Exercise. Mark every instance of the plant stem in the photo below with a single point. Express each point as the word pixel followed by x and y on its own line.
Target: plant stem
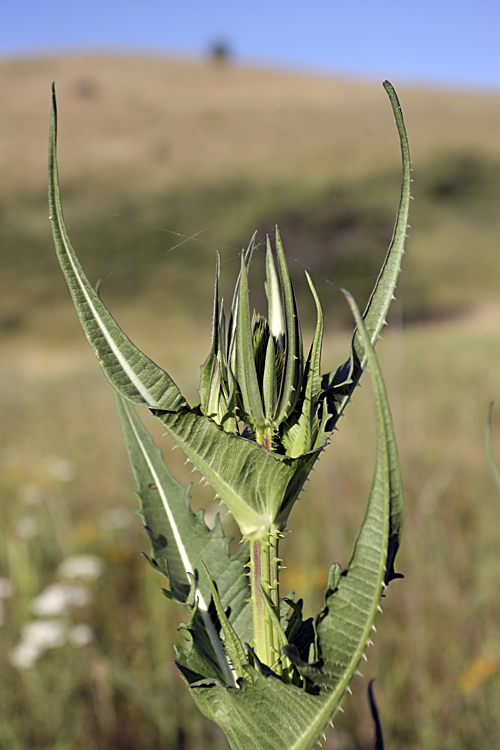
pixel 264 566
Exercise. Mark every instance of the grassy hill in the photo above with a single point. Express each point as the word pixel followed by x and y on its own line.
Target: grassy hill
pixel 154 151
pixel 138 123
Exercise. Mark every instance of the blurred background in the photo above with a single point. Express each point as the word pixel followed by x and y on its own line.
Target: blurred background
pixel 182 130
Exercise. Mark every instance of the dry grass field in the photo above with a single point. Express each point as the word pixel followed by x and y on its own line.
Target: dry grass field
pixel 167 141
pixel 151 123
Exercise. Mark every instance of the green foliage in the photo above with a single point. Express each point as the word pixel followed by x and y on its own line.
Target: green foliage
pixel 266 415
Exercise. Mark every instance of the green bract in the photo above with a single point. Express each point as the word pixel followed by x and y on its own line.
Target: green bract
pixel 269 678
pixel 258 376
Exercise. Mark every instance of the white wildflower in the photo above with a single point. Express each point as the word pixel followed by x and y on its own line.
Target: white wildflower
pixel 81 635
pixel 5 588
pixel 81 566
pixel 44 634
pixel 24 655
pixel 37 637
pixel 59 598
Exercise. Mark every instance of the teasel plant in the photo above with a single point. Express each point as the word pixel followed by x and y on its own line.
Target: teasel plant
pixel 270 678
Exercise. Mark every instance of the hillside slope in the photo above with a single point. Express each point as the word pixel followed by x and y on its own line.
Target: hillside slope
pixel 159 123
pixel 153 151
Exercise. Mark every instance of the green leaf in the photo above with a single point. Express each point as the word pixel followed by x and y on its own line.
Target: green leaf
pixel 269 382
pixel 233 318
pixel 339 385
pixel 292 371
pixel 133 374
pixel 286 667
pixel 489 450
pixel 275 308
pixel 245 361
pixel 216 382
pixel 232 644
pixel 201 662
pixel 210 374
pixel 383 293
pixel 345 625
pixel 180 539
pixel 387 452
pixel 379 739
pixel 258 487
pixel 270 714
pixel 300 437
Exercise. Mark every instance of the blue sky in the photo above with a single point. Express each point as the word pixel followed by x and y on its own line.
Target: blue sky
pixel 441 42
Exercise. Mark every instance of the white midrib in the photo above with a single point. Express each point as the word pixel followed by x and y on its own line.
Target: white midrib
pixel 190 568
pixel 136 382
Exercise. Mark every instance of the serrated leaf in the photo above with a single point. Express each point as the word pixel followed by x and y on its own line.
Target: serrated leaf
pixel 383 293
pixel 201 662
pixel 179 538
pixel 232 644
pixel 133 374
pixel 250 717
pixel 258 486
pixel 255 505
pixel 266 713
pixel 339 384
pixel 345 625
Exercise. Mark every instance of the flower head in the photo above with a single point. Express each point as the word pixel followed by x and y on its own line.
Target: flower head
pixel 256 373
